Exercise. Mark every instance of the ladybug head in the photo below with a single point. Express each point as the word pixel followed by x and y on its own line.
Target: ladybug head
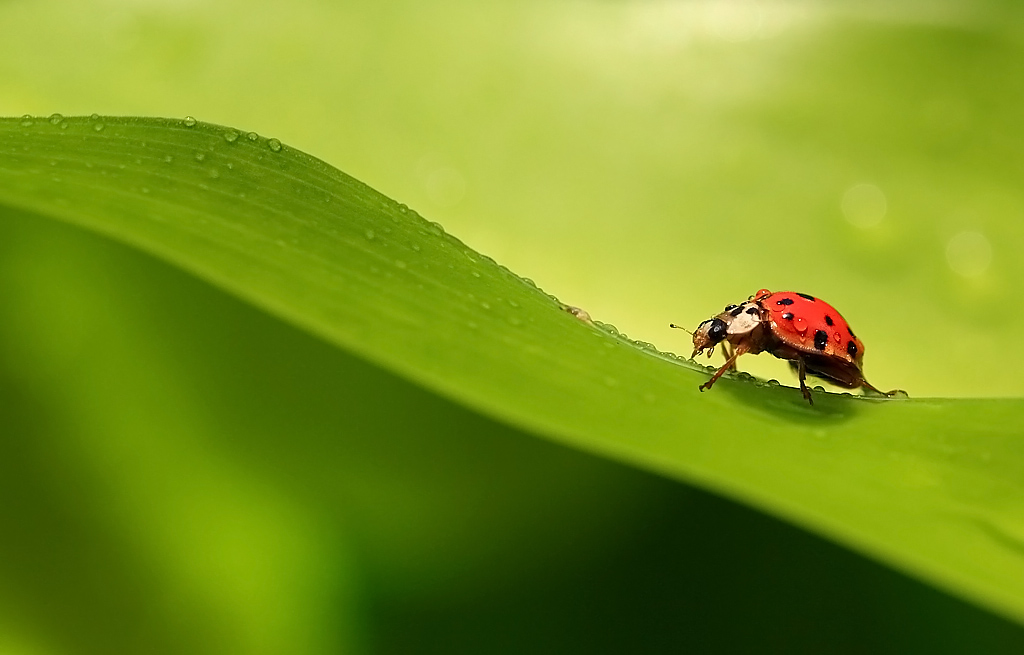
pixel 709 334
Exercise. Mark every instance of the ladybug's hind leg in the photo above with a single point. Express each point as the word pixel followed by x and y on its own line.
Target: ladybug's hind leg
pixel 801 368
pixel 864 383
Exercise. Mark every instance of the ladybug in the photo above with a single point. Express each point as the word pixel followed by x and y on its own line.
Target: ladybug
pixel 806 331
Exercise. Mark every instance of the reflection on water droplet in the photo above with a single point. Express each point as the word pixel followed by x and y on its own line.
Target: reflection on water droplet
pixel 476 274
pixel 98 127
pixel 190 122
pixel 252 136
pixel 274 145
pixel 969 253
pixel 819 389
pixel 55 119
pixel 168 159
pixel 800 324
pixel 773 383
pixel 231 136
pixel 200 156
pixel 864 205
pixel 485 305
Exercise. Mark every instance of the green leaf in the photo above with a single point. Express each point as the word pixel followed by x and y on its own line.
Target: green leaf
pixel 930 486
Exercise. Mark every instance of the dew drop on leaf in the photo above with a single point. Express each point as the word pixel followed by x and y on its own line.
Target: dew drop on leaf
pixel 190 121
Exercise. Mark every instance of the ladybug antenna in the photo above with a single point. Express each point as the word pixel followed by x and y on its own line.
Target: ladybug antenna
pixel 680 327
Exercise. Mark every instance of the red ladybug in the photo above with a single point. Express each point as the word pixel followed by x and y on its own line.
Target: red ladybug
pixel 806 331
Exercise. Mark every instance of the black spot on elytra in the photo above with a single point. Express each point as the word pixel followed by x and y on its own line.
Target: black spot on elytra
pixel 804 295
pixel 753 311
pixel 788 316
pixel 850 330
pixel 736 312
pixel 784 301
pixel 851 349
pixel 828 321
pixel 820 339
pixel 729 308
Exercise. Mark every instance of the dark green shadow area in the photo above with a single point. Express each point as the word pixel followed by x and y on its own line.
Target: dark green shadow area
pixel 139 403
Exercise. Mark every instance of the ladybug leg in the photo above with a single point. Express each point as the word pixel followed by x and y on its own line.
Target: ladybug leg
pixel 801 367
pixel 728 355
pixel 729 364
pixel 864 383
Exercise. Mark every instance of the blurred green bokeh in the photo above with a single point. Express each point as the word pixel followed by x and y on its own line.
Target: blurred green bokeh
pixel 182 473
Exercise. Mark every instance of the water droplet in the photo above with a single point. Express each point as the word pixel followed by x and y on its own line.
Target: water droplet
pixel 94 117
pixel 200 156
pixel 26 121
pixel 416 247
pixel 168 159
pixel 819 389
pixel 437 229
pixel 274 145
pixel 55 119
pixel 476 273
pixel 190 122
pixel 400 264
pixel 969 253
pixel 98 127
pixel 214 174
pixel 231 136
pixel 63 125
pixel 773 383
pixel 370 235
pixel 800 324
pixel 513 303
pixel 252 136
pixel 864 205
pixel 485 305
pixel 145 189
pixel 402 208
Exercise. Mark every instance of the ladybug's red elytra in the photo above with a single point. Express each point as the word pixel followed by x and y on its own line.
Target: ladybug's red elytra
pixel 806 331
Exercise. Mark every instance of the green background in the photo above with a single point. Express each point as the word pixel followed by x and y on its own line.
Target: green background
pixel 204 478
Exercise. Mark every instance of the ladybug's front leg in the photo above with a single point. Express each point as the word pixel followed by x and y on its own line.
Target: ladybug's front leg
pixel 729 364
pixel 727 353
pixel 801 367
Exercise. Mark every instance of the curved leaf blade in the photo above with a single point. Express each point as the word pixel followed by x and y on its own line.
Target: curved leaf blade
pixel 931 486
